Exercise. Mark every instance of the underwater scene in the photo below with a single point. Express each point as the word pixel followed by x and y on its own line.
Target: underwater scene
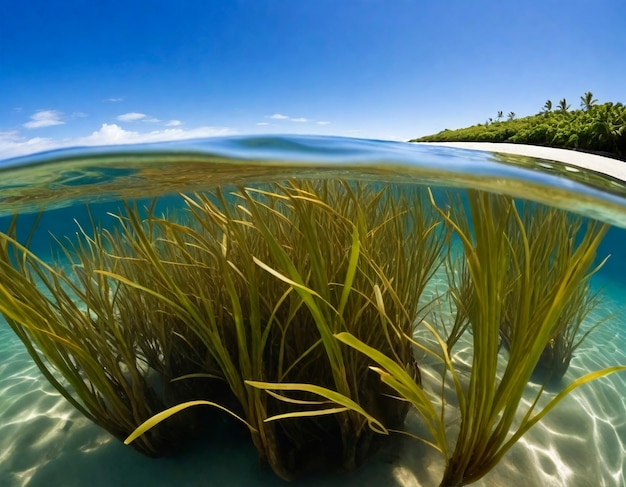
pixel 314 310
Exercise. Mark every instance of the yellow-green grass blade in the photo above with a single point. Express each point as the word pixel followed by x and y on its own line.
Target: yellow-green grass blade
pixel 395 376
pixel 529 422
pixel 329 394
pixel 163 415
pixel 322 323
pixel 138 286
pixel 198 375
pixel 306 414
pixel 296 401
pixel 286 280
pixel 417 438
pixel 351 272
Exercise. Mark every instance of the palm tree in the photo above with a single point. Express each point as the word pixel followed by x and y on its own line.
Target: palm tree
pixel 499 116
pixel 587 101
pixel 511 115
pixel 563 106
pixel 548 106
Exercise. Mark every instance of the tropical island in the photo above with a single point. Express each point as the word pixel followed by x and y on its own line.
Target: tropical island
pixel 597 128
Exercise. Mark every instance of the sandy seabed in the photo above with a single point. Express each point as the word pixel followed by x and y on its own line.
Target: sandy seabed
pixel 581 443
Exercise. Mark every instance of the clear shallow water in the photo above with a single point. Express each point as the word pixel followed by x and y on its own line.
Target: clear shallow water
pixel 43 441
pixel 64 177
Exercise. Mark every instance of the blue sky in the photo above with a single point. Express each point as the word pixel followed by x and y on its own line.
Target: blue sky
pixel 85 72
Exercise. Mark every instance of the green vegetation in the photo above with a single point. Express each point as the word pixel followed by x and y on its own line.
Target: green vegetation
pixel 547 246
pixel 489 399
pixel 248 286
pixel 594 127
pixel 489 406
pixel 273 304
pixel 551 237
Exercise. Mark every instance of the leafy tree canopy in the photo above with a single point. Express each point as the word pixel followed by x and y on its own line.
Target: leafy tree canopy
pixel 596 127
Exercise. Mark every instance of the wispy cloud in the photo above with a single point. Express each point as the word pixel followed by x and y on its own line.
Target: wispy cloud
pixel 173 123
pixel 113 99
pixel 9 136
pixel 136 117
pixel 262 123
pixel 280 116
pixel 44 118
pixel 131 117
pixel 12 144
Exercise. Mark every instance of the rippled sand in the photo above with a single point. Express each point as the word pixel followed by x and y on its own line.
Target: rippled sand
pixel 44 442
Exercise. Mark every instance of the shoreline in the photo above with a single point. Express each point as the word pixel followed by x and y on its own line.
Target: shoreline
pixel 601 164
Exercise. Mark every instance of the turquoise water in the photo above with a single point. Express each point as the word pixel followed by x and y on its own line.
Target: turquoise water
pixel 44 441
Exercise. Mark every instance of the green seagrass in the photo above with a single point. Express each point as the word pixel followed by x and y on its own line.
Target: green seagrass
pixel 250 285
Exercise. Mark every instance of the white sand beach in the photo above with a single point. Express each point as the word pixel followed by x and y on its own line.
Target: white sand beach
pixel 601 164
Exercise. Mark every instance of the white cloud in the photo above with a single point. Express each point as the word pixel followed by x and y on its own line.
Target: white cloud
pixel 44 118
pixel 173 123
pixel 108 134
pixel 113 99
pixel 262 123
pixel 12 144
pixel 114 134
pixel 280 116
pixel 136 117
pixel 322 122
pixel 131 117
pixel 11 136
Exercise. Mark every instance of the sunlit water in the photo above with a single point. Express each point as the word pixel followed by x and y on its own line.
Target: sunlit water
pixel 44 441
